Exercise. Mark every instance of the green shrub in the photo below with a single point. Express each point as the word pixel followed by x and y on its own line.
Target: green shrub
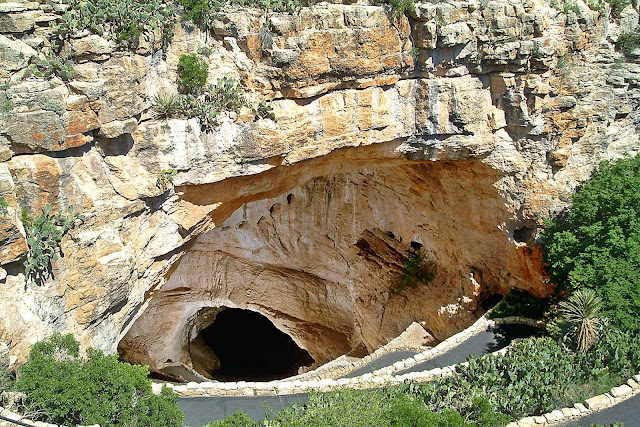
pixel 417 270
pixel 521 303
pixel 265 111
pixel 201 12
pixel 165 178
pixel 525 380
pixel 124 21
pixel 237 419
pixel 63 388
pixel 44 234
pixel 629 41
pixel 165 105
pixel 402 7
pixel 6 105
pixel 225 95
pixel 4 206
pixel 193 72
pixel 392 406
pixel 596 244
pixel 617 6
pixel 52 66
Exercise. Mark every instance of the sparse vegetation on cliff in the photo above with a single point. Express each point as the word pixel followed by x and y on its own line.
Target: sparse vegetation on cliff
pixel 44 234
pixel 629 41
pixel 193 72
pixel 596 244
pixel 418 270
pixel 124 21
pixel 64 388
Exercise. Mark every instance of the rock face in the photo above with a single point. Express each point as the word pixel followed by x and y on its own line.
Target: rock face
pixel 453 132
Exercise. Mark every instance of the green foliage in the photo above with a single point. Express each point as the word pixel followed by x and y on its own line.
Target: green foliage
pixel 165 178
pixel 225 95
pixel 237 419
pixel 521 303
pixel 63 388
pixel 570 6
pixel 201 12
pixel 596 5
pixel 524 381
pixel 617 6
pixel 205 51
pixel 596 245
pixel 4 206
pixel 6 105
pixel 193 72
pixel 402 7
pixel 629 41
pixel 122 20
pixel 44 234
pixel 165 105
pixel 265 110
pixel 392 406
pixel 52 66
pixel 582 309
pixel 417 270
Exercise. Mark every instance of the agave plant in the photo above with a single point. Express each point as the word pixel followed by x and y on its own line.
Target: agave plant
pixel 165 105
pixel 582 309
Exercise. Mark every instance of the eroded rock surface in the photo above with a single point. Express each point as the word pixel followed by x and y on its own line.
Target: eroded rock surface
pixel 458 129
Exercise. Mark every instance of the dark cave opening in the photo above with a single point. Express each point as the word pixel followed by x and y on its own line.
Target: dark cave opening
pixel 251 348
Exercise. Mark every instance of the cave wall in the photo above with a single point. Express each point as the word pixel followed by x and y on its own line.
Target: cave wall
pixel 512 102
pixel 321 260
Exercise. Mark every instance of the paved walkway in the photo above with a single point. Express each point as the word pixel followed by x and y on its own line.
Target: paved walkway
pixel 199 411
pixel 627 412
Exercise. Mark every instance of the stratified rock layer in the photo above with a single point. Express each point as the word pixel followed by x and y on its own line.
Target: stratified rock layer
pixel 458 129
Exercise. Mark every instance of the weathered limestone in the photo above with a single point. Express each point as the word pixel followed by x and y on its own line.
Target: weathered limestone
pixel 484 129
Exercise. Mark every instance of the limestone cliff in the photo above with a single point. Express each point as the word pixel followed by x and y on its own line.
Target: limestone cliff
pixel 455 131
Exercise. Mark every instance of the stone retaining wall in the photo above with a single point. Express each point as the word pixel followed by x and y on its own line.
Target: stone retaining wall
pixel 593 404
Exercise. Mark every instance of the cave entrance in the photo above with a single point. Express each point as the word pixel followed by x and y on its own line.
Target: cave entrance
pixel 250 348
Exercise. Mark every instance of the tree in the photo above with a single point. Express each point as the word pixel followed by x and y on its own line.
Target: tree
pixel 596 244
pixel 64 388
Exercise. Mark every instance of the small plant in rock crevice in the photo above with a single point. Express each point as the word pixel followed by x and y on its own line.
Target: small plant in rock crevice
pixel 6 105
pixel 44 234
pixel 418 269
pixel 4 206
pixel 165 178
pixel 265 111
pixel 52 66
pixel 225 95
pixel 629 41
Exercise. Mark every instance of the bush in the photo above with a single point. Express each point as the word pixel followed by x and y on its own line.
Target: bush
pixel 193 72
pixel 617 6
pixel 52 66
pixel 392 406
pixel 123 20
pixel 63 388
pixel 629 41
pixel 596 244
pixel 165 178
pixel 417 270
pixel 201 12
pixel 537 375
pixel 521 303
pixel 402 7
pixel 44 234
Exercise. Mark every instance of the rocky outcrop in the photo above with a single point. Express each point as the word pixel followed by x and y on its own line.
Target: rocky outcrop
pixel 456 130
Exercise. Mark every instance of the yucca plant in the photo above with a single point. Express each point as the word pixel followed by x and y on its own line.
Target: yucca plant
pixel 582 309
pixel 165 105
